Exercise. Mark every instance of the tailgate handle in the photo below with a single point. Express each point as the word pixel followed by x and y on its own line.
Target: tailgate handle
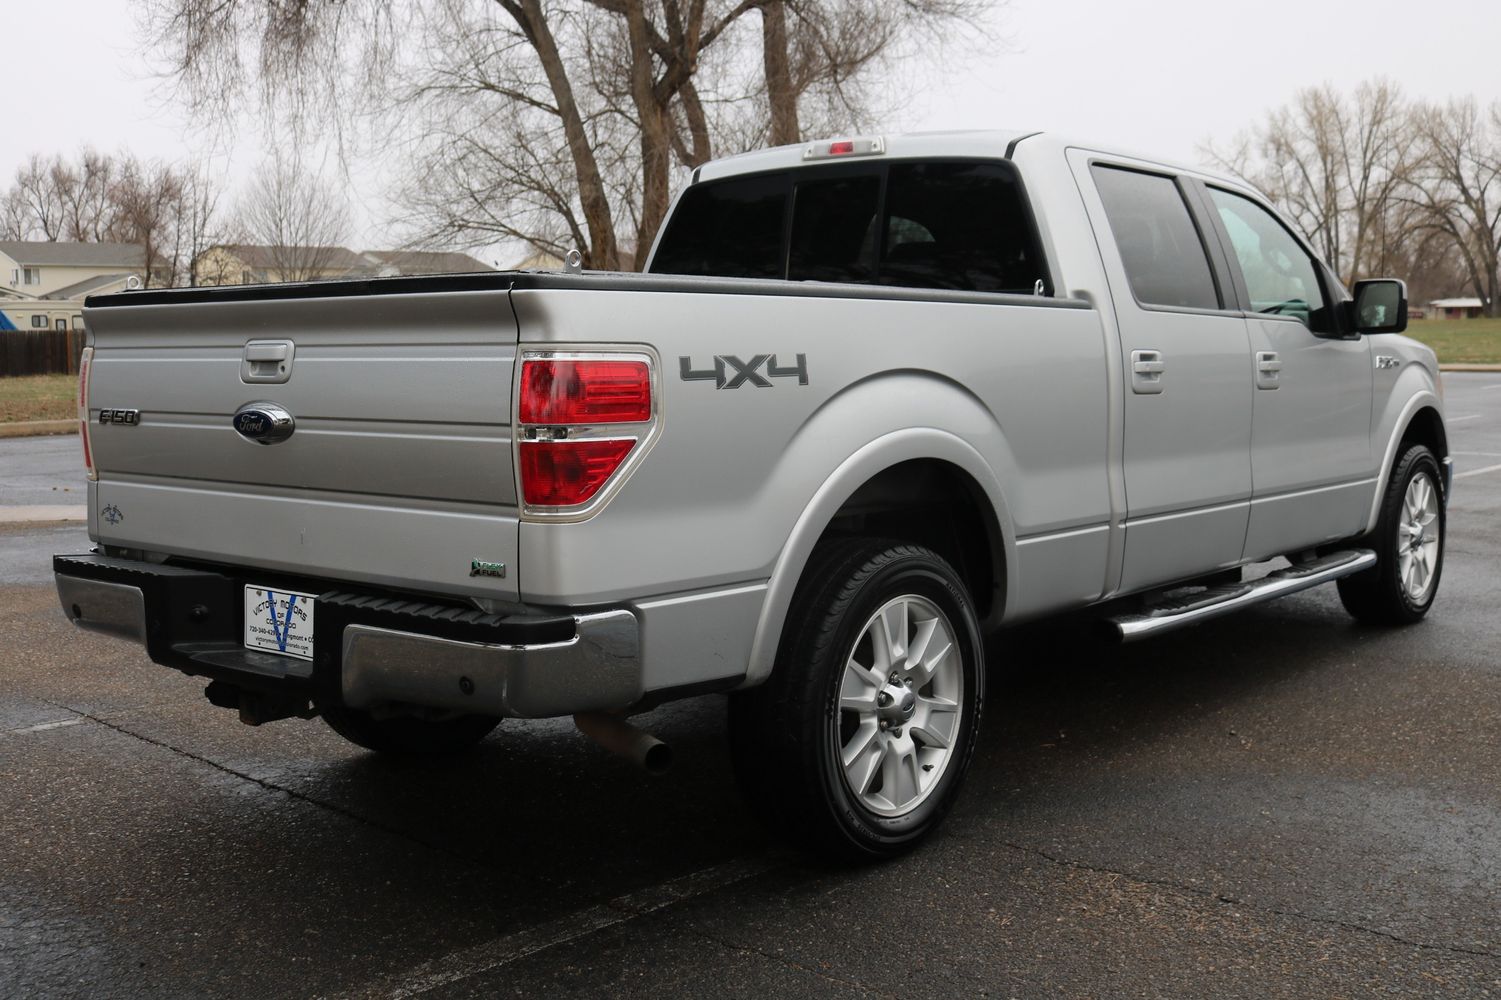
pixel 267 361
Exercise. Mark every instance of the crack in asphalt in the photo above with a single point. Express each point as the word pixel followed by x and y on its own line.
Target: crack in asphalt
pixel 1236 901
pixel 270 786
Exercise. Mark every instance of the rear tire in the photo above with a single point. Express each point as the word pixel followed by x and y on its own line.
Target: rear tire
pixel 858 742
pixel 1409 544
pixel 404 736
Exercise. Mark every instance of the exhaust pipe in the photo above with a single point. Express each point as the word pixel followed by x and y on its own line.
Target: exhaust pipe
pixel 620 737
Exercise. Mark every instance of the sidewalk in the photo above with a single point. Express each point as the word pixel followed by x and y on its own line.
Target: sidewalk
pixel 36 428
pixel 43 513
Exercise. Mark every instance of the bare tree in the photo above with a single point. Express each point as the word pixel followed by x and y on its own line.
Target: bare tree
pixel 15 219
pixel 557 124
pixel 88 195
pixel 1458 188
pixel 1338 167
pixel 99 198
pixel 199 224
pixel 147 198
pixel 36 189
pixel 300 219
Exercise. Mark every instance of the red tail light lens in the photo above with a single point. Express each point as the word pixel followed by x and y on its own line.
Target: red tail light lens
pixel 85 362
pixel 564 473
pixel 585 392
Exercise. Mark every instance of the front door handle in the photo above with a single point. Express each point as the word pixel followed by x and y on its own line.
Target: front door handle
pixel 1147 368
pixel 1268 370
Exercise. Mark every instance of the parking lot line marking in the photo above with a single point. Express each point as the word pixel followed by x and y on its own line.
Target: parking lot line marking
pixel 493 954
pixel 1467 416
pixel 44 726
pixel 1477 472
pixel 1481 454
pixel 1496 386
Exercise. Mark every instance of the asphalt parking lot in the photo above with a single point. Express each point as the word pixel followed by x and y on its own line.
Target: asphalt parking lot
pixel 1279 803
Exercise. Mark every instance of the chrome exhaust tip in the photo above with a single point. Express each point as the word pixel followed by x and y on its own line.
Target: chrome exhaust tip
pixel 620 737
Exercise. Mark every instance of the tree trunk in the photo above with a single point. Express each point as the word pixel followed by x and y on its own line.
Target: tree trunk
pixel 698 126
pixel 781 98
pixel 656 146
pixel 601 252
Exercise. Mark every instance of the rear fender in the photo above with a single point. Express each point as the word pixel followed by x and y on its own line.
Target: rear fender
pixel 917 438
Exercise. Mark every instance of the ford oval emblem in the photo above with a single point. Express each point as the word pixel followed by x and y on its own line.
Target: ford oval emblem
pixel 264 423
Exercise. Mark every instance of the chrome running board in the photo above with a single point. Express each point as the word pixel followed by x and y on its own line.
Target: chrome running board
pixel 1216 601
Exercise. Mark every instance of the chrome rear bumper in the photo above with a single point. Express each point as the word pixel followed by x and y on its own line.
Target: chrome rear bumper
pixel 599 668
pixel 532 665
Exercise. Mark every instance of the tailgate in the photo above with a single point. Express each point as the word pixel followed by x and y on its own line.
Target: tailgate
pixel 399 467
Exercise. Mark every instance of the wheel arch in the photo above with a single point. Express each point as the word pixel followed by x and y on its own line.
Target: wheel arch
pixel 1420 421
pixel 876 487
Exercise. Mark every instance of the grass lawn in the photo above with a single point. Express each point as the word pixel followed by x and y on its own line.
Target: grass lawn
pixel 1460 340
pixel 38 397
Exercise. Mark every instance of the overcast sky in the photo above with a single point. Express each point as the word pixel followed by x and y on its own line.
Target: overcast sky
pixel 1155 77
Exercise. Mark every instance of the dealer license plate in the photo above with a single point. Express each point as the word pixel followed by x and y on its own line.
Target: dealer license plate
pixel 279 621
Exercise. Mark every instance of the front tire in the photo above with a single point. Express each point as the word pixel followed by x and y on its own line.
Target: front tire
pixel 858 743
pixel 404 736
pixel 1409 544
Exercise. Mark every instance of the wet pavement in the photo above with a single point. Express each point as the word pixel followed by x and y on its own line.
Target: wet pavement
pixel 1278 803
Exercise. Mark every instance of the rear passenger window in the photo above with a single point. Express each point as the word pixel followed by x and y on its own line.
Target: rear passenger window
pixel 958 225
pixel 1159 244
pixel 730 228
pixel 834 234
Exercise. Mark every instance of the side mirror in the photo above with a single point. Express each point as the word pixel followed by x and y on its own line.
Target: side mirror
pixel 1380 306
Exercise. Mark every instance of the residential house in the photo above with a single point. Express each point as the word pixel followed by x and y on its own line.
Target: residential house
pixel 1456 308
pixel 387 263
pixel 43 284
pixel 250 264
pixel 539 260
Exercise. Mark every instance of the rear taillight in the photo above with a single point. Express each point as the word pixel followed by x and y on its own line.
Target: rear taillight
pixel 579 419
pixel 585 392
pixel 85 364
pixel 565 473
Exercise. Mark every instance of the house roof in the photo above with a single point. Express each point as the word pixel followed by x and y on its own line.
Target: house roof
pixel 1456 303
pixel 427 261
pixel 60 254
pixel 79 289
pixel 332 258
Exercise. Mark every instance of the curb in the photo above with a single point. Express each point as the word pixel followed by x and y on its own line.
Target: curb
pixel 36 428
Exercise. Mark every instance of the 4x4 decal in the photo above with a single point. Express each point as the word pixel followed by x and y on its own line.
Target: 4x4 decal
pixel 744 372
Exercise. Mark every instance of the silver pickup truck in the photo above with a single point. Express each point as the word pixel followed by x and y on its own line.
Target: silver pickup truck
pixel 876 399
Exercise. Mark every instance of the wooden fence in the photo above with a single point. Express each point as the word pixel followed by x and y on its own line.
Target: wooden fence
pixel 40 352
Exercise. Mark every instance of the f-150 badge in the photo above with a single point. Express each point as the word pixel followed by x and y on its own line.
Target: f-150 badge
pixel 729 372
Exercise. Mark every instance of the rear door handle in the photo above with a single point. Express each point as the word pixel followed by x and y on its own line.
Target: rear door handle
pixel 1147 368
pixel 1268 370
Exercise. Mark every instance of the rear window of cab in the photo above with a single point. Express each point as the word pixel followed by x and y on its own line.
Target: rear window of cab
pixel 954 224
